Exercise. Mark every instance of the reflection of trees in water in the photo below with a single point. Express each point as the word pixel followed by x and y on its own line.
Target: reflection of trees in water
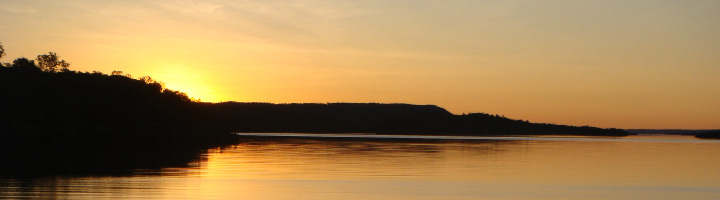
pixel 355 157
pixel 373 145
pixel 339 155
pixel 63 187
pixel 97 162
pixel 62 172
pixel 59 173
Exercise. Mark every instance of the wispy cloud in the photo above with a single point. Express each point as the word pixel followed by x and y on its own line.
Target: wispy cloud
pixel 18 9
pixel 193 8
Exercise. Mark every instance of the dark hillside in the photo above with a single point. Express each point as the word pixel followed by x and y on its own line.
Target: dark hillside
pixel 317 118
pixel 378 118
pixel 76 121
pixel 71 106
pixel 715 134
pixel 95 108
pixel 79 120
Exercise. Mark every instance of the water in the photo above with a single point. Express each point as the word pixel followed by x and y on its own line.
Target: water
pixel 634 167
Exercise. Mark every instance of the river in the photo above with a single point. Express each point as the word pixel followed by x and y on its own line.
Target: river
pixel 363 167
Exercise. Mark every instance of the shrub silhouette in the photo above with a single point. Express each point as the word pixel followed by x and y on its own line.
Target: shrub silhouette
pixel 93 119
pixel 51 62
pixel 2 50
pixel 714 134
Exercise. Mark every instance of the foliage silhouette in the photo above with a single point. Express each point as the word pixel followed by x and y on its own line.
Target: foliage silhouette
pixel 2 51
pixel 51 62
pixel 378 118
pixel 714 134
pixel 24 64
pixel 56 120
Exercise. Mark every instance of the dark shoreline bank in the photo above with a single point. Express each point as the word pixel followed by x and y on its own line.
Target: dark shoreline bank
pixel 715 134
pixel 67 121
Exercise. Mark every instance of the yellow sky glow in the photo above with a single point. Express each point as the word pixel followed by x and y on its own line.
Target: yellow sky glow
pixel 625 64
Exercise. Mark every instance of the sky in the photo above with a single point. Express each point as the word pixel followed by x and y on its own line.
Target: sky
pixel 611 63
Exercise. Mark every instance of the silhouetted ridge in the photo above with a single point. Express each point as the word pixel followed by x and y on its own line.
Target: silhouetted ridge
pixel 319 118
pixel 715 134
pixel 61 121
pixel 52 116
pixel 45 105
pixel 378 118
pixel 73 106
pixel 692 132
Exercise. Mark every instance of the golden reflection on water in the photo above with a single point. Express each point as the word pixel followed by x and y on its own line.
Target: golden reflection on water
pixel 486 169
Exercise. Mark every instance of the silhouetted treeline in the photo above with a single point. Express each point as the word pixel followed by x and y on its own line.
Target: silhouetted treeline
pixel 50 114
pixel 667 131
pixel 705 134
pixel 78 120
pixel 378 118
pixel 82 107
pixel 714 134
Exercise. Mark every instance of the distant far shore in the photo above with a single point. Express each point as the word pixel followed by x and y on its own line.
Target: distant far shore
pixel 670 131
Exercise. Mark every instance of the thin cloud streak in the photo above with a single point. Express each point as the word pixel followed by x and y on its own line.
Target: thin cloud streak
pixel 610 61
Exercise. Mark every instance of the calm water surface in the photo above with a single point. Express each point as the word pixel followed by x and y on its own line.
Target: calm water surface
pixel 634 167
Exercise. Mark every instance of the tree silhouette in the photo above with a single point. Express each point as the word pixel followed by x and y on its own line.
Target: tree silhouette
pixel 2 54
pixel 24 64
pixel 2 50
pixel 51 63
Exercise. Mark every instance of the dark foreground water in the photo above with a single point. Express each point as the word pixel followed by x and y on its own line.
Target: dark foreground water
pixel 634 167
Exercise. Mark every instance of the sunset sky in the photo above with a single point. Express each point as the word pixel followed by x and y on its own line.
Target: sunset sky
pixel 623 64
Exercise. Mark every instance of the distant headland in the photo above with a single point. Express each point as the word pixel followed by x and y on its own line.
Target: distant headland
pixel 46 106
pixel 50 101
pixel 703 134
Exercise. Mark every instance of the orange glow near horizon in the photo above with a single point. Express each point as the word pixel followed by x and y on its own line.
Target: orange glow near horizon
pixel 578 63
pixel 184 79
